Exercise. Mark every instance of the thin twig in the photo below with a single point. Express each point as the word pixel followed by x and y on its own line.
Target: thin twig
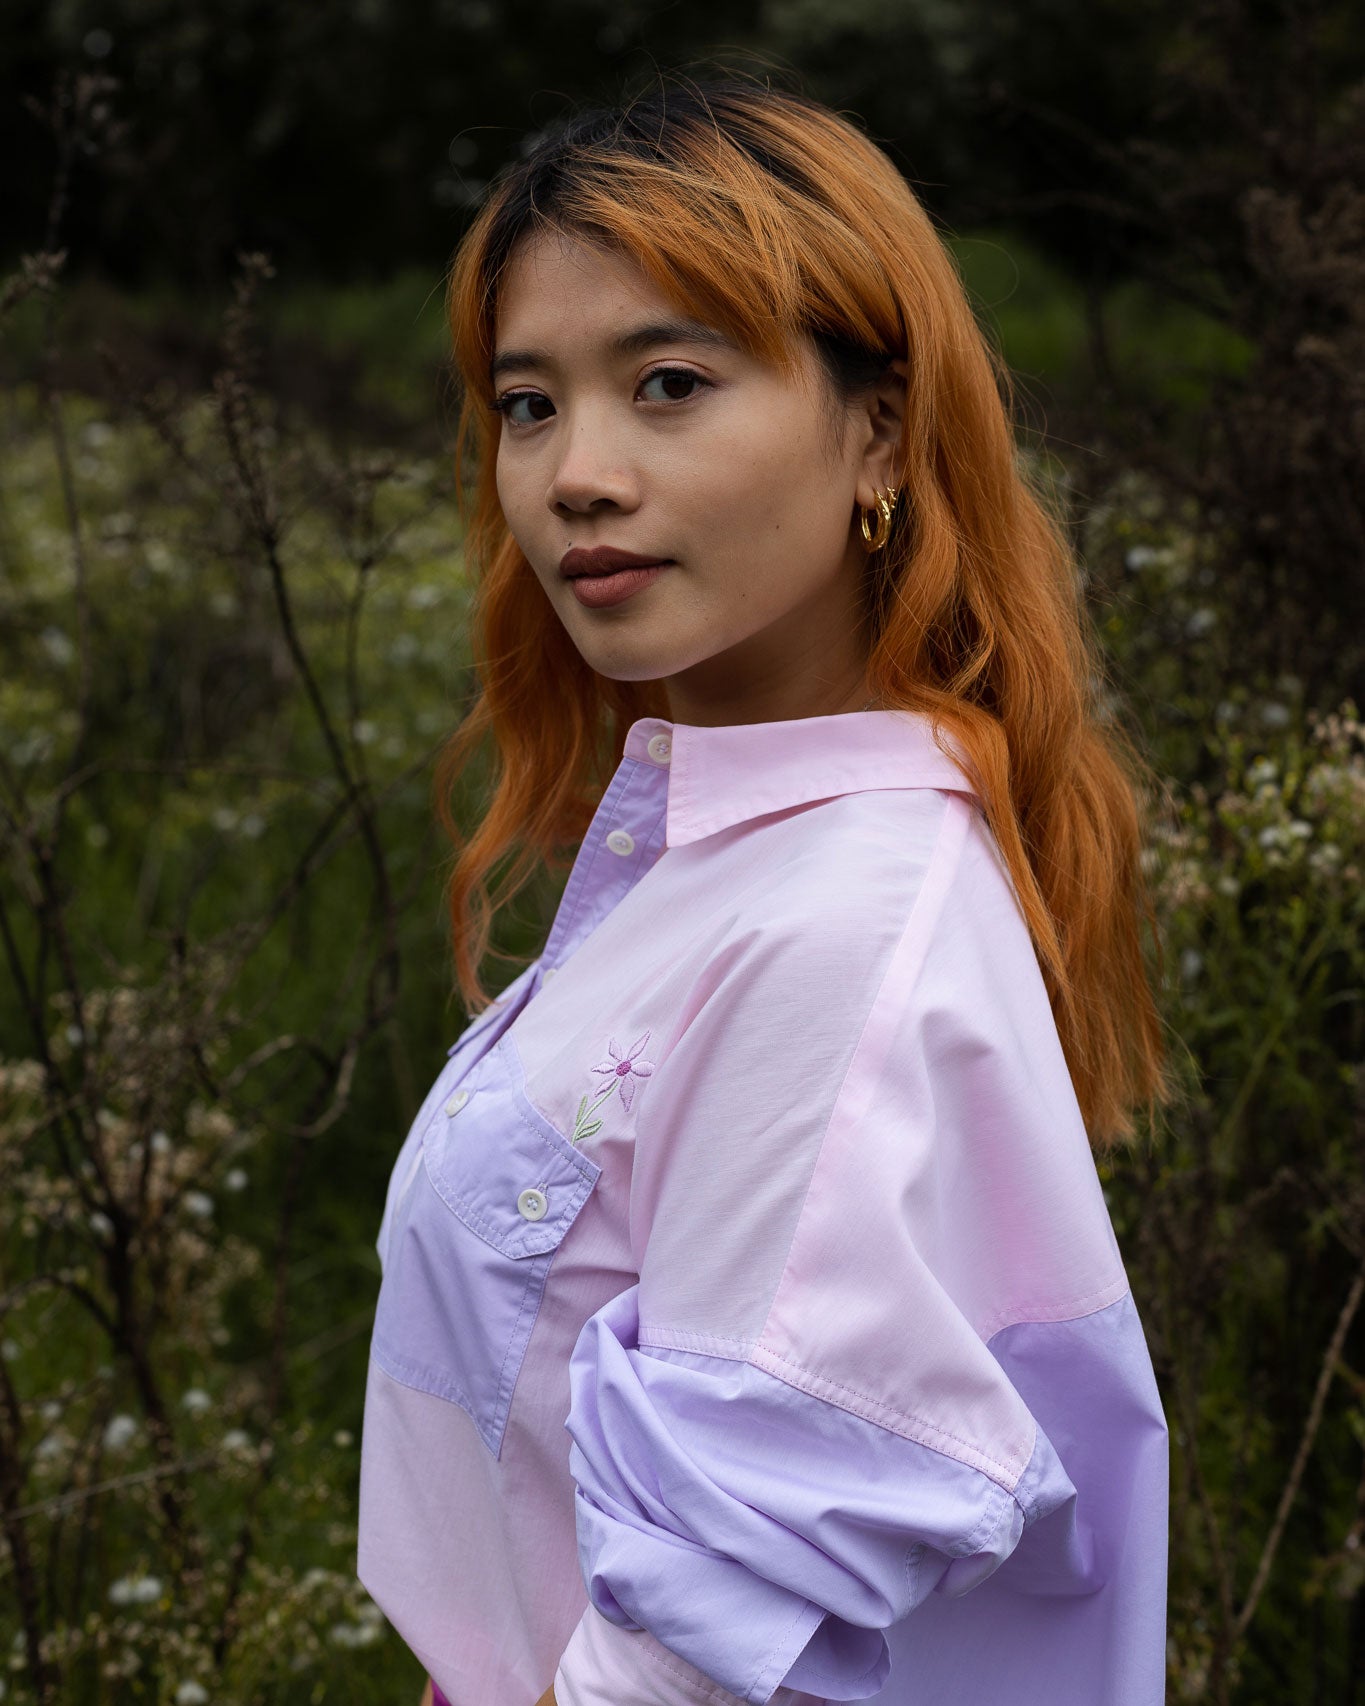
pixel 1330 1360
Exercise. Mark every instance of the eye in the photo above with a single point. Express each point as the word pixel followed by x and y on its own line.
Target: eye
pixel 672 385
pixel 538 407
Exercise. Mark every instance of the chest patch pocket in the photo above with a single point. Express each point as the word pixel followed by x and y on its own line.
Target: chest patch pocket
pixel 472 1242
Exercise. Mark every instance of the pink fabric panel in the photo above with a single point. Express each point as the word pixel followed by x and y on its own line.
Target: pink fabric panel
pixel 604 1665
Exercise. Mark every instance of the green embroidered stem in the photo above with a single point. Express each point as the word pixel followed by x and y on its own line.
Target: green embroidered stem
pixel 580 1129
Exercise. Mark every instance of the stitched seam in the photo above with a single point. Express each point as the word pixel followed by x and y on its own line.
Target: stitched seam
pixel 412 1374
pixel 662 1338
pixel 812 1381
pixel 910 923
pixel 757 1356
pixel 764 1668
pixel 506 1379
pixel 713 1690
pixel 992 1515
pixel 575 891
pixel 1024 1315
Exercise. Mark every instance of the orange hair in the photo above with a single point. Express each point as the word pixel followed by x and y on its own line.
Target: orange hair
pixel 762 212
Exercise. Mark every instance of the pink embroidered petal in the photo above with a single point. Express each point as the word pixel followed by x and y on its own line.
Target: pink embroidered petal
pixel 612 1049
pixel 641 1068
pixel 636 1047
pixel 627 1092
pixel 607 1066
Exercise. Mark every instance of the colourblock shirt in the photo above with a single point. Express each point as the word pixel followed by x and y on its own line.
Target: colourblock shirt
pixel 752 1327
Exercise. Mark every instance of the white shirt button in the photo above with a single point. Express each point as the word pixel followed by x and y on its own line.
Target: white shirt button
pixel 531 1205
pixel 620 841
pixel 659 748
pixel 456 1102
pixel 549 973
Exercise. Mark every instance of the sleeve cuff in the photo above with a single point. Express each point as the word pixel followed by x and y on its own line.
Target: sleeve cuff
pixel 606 1665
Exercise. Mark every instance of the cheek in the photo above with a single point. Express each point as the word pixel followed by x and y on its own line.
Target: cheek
pixel 781 485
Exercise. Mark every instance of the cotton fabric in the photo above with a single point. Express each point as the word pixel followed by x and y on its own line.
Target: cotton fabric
pixel 752 1326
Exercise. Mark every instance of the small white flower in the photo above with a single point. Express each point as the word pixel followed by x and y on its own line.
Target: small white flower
pixel 50 1411
pixel 343 1437
pixel 1273 715
pixel 355 1634
pixel 364 732
pixel 136 1590
pixel 253 826
pixel 191 1694
pixel 235 1179
pixel 224 818
pixel 1201 621
pixel 51 1445
pixel 160 1143
pixel 57 645
pixel 101 1225
pixel 1141 557
pixel 199 1204
pixel 1191 964
pixel 236 1440
pixel 196 1401
pixel 119 1431
pixel 370 1613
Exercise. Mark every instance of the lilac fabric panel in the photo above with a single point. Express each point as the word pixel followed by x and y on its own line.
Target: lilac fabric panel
pixel 466 1269
pixel 727 1513
pixel 1090 1381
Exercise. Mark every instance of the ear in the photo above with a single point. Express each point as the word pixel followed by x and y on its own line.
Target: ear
pixel 881 435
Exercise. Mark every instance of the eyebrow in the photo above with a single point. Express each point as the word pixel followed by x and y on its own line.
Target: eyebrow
pixel 633 342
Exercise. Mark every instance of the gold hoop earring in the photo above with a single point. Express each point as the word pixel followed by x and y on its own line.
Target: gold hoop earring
pixel 876 537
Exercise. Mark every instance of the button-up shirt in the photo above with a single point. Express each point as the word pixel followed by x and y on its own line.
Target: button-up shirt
pixel 752 1327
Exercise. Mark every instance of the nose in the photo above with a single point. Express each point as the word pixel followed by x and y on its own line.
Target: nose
pixel 592 472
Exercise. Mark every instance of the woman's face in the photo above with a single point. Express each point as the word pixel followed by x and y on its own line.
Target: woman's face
pixel 627 425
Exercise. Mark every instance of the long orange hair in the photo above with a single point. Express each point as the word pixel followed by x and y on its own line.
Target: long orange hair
pixel 762 212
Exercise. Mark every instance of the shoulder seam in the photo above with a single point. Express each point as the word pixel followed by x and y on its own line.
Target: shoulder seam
pixel 916 1429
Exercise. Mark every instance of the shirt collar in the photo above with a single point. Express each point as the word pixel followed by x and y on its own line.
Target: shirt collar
pixel 719 777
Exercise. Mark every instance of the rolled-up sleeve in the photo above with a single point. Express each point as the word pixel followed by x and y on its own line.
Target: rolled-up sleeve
pixel 862 1161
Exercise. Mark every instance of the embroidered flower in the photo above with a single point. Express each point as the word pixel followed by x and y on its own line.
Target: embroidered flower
pixel 625 1069
pixel 621 1072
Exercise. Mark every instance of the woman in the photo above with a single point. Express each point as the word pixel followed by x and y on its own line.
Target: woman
pixel 752 1326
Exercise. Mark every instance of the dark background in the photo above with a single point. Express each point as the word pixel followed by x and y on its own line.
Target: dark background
pixel 233 633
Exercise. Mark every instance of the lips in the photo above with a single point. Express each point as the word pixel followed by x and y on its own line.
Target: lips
pixel 603 560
